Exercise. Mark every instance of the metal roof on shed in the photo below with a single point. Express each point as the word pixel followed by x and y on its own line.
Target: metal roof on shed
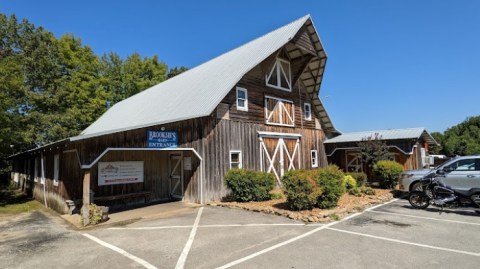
pixel 196 92
pixel 392 134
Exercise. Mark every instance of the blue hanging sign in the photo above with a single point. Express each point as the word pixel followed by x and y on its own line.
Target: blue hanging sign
pixel 161 139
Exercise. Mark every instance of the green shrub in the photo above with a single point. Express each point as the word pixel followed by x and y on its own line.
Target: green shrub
pixel 330 181
pixel 367 191
pixel 360 177
pixel 301 190
pixel 388 173
pixel 248 185
pixel 350 185
pixel 276 195
pixel 95 214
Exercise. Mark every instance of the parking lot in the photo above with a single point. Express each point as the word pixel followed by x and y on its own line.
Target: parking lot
pixel 392 235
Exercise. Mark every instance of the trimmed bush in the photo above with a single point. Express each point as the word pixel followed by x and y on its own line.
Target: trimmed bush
pixel 301 189
pixel 360 177
pixel 330 182
pixel 350 185
pixel 367 190
pixel 248 185
pixel 388 173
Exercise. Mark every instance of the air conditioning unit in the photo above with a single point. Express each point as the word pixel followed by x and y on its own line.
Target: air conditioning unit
pixel 428 160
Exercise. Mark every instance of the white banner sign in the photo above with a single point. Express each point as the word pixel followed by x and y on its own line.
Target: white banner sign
pixel 110 173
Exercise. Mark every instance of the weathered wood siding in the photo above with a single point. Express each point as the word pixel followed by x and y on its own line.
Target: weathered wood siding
pixel 254 82
pixel 230 135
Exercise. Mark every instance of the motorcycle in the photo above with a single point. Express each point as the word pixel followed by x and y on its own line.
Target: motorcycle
pixel 435 192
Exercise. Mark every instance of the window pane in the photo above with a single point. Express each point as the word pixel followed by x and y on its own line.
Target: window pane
pixel 241 103
pixel 273 77
pixel 465 165
pixel 235 158
pixel 283 82
pixel 235 165
pixel 241 94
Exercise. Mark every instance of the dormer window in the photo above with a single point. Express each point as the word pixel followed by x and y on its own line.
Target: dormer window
pixel 280 76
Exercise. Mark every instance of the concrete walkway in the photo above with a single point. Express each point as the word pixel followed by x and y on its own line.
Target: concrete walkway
pixel 128 216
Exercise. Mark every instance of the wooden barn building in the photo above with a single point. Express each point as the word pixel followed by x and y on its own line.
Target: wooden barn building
pixel 255 107
pixel 408 147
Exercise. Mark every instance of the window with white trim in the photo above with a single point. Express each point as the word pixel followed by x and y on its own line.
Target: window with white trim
pixel 314 158
pixel 280 76
pixel 307 111
pixel 235 159
pixel 242 99
pixel 56 169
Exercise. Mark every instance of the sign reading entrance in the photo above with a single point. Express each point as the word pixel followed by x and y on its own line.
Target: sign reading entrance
pixel 111 173
pixel 161 139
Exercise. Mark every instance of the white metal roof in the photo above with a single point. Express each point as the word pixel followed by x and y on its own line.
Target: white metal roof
pixel 392 134
pixel 197 92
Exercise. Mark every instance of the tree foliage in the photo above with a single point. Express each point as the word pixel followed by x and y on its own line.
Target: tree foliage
pixel 52 88
pixel 373 149
pixel 462 139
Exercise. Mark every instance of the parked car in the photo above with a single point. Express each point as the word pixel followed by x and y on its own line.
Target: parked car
pixel 461 173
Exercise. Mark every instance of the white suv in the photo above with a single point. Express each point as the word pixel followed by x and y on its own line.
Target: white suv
pixel 461 173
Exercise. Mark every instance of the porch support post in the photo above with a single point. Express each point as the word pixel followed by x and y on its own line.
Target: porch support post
pixel 86 196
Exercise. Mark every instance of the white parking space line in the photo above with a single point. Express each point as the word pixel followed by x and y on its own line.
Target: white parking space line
pixel 427 218
pixel 377 206
pixel 121 251
pixel 406 242
pixel 215 226
pixel 183 257
pixel 251 256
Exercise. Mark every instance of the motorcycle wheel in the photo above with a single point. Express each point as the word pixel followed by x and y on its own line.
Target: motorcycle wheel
pixel 419 200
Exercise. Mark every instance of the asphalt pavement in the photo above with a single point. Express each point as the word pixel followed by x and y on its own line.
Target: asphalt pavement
pixel 392 235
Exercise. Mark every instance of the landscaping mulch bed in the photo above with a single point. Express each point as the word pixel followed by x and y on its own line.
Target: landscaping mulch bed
pixel 346 205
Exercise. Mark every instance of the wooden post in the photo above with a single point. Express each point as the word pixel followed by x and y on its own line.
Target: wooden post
pixel 86 197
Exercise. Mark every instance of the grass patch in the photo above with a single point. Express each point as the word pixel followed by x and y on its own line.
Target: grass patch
pixel 334 217
pixel 14 202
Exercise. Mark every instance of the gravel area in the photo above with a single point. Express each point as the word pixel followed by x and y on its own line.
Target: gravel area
pixel 346 205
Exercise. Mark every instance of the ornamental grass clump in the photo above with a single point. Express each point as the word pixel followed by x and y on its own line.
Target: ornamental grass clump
pixel 247 185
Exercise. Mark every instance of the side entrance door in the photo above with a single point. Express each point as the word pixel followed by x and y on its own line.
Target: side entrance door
pixel 176 175
pixel 279 154
pixel 353 161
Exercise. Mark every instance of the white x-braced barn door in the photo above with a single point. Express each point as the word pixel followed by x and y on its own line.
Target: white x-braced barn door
pixel 279 111
pixel 279 154
pixel 176 175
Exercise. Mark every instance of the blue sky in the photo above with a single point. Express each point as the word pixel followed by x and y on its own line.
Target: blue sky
pixel 391 64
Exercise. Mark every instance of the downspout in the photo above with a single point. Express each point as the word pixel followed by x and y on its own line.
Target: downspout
pixel 43 180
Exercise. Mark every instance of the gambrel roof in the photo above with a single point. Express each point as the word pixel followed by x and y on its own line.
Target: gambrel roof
pixel 197 92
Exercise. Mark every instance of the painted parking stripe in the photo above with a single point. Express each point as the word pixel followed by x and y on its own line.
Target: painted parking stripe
pixel 379 205
pixel 251 256
pixel 215 226
pixel 183 257
pixel 406 242
pixel 427 218
pixel 121 251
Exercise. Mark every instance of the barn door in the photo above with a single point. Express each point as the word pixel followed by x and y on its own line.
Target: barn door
pixel 279 154
pixel 176 175
pixel 354 161
pixel 279 112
